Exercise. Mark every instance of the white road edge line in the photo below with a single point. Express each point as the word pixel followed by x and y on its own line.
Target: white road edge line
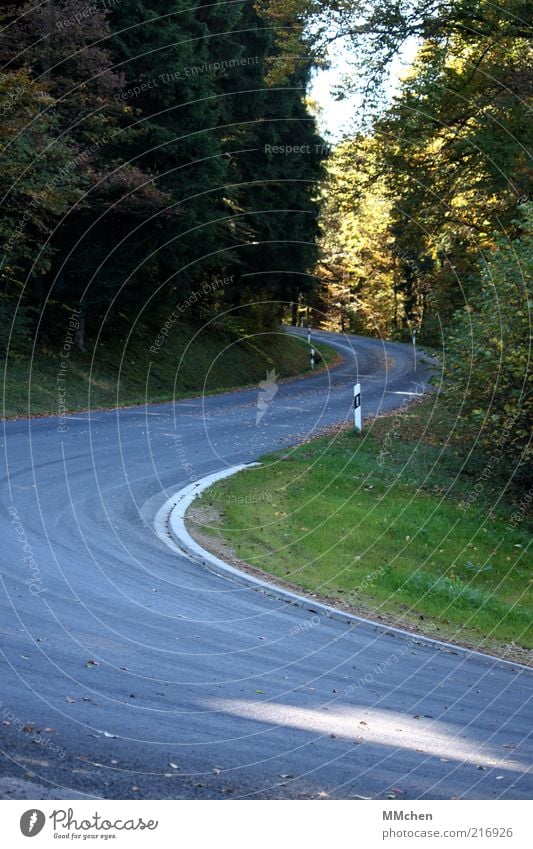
pixel 169 524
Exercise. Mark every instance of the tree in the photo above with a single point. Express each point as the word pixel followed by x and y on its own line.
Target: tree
pixel 276 163
pixel 65 52
pixel 167 53
pixel 488 363
pixel 454 150
pixel 376 30
pixel 356 257
pixel 32 198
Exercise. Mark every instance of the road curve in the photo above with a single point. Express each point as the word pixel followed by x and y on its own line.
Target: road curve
pixel 130 672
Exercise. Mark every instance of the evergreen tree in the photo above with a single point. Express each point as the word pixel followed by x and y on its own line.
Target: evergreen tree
pixel 276 165
pixel 166 54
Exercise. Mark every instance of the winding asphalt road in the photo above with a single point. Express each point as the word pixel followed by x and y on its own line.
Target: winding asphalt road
pixel 130 672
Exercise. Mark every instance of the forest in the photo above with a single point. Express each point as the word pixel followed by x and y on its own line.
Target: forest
pixel 134 161
pixel 150 150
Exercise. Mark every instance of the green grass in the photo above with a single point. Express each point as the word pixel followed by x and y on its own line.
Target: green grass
pixel 123 371
pixel 377 522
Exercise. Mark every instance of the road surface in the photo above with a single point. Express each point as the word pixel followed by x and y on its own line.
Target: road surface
pixel 130 672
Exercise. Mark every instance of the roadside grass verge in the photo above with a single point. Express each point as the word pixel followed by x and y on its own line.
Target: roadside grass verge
pixel 386 525
pixel 123 373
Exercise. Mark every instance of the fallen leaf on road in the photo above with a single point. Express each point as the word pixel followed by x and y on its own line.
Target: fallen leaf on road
pixel 395 792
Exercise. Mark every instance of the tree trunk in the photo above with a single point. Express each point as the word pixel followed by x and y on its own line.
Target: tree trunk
pixel 79 334
pixel 294 313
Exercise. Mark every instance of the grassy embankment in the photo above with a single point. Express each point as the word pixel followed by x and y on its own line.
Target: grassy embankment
pixel 376 524
pixel 119 372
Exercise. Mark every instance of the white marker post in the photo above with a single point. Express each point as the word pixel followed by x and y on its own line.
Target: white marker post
pixel 308 335
pixel 312 358
pixel 414 346
pixel 357 420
